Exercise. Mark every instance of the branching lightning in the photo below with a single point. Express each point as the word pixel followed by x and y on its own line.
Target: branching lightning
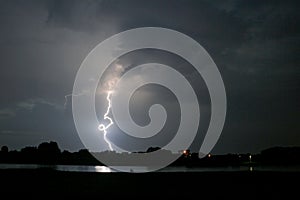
pixel 103 127
pixel 66 99
pixel 110 82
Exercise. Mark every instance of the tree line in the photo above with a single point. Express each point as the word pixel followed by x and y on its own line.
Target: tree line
pixel 49 153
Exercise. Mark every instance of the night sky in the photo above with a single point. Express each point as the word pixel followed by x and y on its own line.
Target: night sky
pixel 255 44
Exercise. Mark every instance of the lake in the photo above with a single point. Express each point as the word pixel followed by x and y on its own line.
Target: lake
pixel 105 169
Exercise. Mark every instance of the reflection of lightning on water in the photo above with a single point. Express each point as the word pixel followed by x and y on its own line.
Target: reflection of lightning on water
pixel 104 128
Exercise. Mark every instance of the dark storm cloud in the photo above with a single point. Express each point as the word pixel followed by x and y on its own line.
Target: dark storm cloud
pixel 37 120
pixel 198 19
pixel 255 45
pixel 262 76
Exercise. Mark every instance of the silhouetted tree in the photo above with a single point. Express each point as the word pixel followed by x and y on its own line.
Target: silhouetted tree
pixel 4 149
pixel 49 152
pixel 28 155
pixel 29 150
pixel 49 148
pixel 152 149
pixel 4 154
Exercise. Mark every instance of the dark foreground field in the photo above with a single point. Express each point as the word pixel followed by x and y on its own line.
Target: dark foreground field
pixel 44 183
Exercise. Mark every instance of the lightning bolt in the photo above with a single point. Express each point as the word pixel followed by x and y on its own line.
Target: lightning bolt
pixel 111 80
pixel 66 99
pixel 104 128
